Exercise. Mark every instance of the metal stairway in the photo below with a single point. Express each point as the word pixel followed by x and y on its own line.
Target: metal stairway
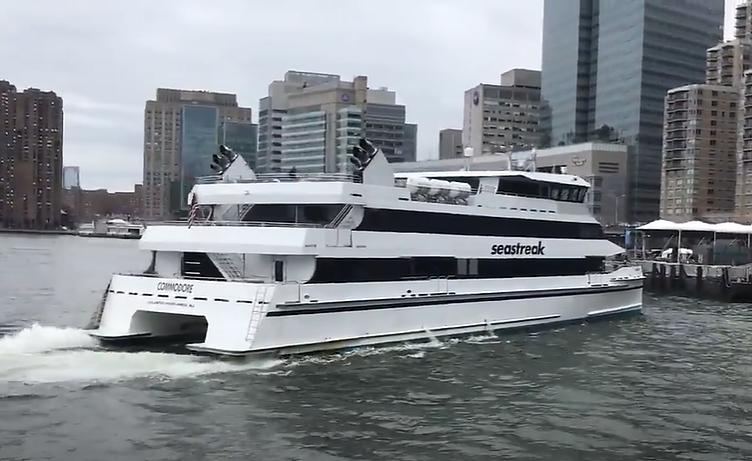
pixel 230 265
pixel 233 213
pixel 260 308
pixel 340 216
pixel 244 211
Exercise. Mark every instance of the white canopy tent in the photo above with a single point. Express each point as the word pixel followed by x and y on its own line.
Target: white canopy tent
pixel 732 228
pixel 697 226
pixel 659 225
pixel 728 228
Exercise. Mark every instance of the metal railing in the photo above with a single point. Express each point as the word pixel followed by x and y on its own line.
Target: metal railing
pixel 247 279
pixel 279 177
pixel 239 223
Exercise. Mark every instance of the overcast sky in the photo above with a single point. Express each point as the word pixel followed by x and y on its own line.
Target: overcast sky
pixel 107 58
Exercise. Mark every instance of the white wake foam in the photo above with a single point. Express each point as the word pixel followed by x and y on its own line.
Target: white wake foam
pixel 41 354
pixel 38 339
pixel 44 354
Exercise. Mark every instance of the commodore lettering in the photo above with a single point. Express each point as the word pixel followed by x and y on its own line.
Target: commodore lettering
pixel 176 287
pixel 519 249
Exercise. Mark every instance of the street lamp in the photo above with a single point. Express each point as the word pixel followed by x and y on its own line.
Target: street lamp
pixel 617 199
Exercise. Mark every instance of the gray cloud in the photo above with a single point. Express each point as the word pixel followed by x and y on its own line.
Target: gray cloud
pixel 106 59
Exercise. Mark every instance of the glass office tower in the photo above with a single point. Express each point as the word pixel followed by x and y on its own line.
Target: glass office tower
pixel 198 140
pixel 610 63
pixel 242 138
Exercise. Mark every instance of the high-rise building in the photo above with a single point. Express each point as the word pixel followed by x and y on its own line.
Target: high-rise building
pixel 71 177
pixel 743 36
pixel 743 209
pixel 322 124
pixel 606 66
pixel 182 129
pixel 743 20
pixel 450 143
pixel 726 62
pixel 311 121
pixel 726 65
pixel 271 109
pixel 499 118
pixel 31 158
pixel 703 131
pixel 384 125
pixel 699 152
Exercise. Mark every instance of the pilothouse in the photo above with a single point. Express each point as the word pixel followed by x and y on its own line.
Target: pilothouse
pixel 295 262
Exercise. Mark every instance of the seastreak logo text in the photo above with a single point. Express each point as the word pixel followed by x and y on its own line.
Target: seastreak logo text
pixel 174 286
pixel 519 249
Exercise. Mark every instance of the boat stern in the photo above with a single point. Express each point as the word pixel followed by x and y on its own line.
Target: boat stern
pixel 219 316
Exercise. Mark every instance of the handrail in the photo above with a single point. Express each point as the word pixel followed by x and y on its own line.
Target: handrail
pixel 335 177
pixel 239 223
pixel 279 177
pixel 190 277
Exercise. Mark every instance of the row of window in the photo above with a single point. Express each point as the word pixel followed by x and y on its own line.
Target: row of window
pixel 353 270
pixel 343 270
pixel 524 187
pixel 424 222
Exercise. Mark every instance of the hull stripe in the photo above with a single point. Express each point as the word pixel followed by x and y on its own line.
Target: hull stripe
pixel 436 299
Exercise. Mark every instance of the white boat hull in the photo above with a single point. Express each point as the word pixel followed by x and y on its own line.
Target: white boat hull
pixel 250 318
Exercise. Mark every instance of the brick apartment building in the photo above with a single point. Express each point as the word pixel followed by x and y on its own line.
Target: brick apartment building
pixel 87 205
pixel 31 158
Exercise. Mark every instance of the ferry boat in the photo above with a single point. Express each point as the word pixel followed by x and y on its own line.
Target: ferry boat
pixel 296 263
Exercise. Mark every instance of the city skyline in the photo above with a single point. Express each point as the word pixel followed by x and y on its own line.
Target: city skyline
pixel 105 82
pixel 105 61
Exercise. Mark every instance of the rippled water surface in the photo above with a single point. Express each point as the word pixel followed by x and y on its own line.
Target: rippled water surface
pixel 675 384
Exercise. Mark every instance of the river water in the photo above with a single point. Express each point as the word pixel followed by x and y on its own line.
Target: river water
pixel 674 384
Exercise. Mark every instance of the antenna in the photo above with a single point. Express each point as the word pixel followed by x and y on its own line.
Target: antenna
pixel 468 153
pixel 534 159
pixel 528 163
pixel 503 151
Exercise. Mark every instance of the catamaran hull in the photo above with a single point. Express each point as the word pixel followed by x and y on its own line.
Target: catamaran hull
pixel 247 318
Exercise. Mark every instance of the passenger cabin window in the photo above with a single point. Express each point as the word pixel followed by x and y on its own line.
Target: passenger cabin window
pixel 343 270
pixel 522 186
pixel 315 214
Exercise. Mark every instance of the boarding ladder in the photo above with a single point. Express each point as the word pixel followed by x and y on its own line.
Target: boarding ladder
pixel 260 308
pixel 96 318
pixel 340 216
pixel 227 264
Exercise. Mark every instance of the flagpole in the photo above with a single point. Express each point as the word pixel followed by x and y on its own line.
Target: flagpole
pixel 194 209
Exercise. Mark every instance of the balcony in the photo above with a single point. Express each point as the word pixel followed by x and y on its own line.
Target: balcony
pixel 746 156
pixel 678 96
pixel 673 165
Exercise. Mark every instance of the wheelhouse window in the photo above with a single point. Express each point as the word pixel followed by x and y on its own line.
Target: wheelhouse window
pixel 564 193
pixel 312 214
pixel 522 186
